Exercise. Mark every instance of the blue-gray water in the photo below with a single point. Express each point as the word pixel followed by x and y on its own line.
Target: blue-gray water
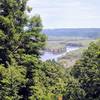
pixel 51 56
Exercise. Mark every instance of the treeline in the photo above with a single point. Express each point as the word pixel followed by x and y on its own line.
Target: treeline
pixel 24 77
pixel 91 33
pixel 87 72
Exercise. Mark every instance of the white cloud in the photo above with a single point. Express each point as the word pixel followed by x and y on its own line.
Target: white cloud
pixel 67 13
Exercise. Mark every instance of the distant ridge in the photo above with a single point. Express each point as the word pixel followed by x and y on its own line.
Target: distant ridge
pixel 74 32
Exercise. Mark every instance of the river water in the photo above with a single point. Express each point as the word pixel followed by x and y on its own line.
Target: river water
pixel 51 56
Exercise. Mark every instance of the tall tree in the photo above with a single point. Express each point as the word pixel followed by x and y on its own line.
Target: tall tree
pixel 15 40
pixel 20 39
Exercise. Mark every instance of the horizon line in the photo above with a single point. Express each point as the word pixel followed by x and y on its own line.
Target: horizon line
pixel 74 28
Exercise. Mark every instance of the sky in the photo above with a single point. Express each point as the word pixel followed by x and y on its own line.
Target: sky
pixel 67 13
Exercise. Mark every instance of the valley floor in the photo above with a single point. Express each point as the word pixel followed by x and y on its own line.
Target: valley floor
pixel 70 58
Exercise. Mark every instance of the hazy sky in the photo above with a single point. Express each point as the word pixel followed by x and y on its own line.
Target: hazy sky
pixel 67 13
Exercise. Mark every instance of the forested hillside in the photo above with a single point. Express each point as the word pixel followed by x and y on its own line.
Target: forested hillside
pixel 74 32
pixel 23 76
pixel 87 72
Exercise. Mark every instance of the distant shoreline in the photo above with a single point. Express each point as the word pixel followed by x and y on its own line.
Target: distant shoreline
pixel 50 56
pixel 74 32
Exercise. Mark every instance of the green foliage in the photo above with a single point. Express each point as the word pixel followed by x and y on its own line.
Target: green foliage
pixel 14 38
pixel 54 77
pixel 20 43
pixel 11 79
pixel 73 90
pixel 87 71
pixel 48 80
pixel 24 77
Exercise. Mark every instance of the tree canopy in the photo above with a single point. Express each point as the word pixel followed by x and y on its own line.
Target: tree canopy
pixel 87 71
pixel 23 76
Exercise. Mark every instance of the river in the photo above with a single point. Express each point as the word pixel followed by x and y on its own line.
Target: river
pixel 51 56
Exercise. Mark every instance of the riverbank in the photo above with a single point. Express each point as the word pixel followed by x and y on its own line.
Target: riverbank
pixel 52 56
pixel 70 58
pixel 64 49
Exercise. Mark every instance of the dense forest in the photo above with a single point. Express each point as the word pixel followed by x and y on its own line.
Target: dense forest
pixel 23 76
